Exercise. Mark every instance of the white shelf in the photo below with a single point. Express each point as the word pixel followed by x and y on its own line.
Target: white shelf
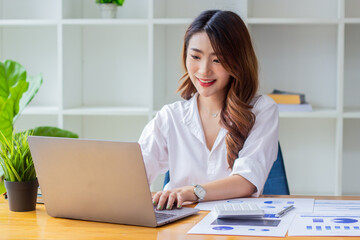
pixel 106 111
pixel 316 113
pixel 106 78
pixel 28 22
pixel 351 113
pixel 292 21
pixel 352 20
pixel 37 110
pixel 104 22
pixel 172 21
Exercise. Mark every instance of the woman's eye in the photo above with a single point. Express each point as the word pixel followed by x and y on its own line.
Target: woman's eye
pixel 216 61
pixel 195 57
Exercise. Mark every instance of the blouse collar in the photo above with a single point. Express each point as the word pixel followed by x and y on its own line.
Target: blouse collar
pixel 192 121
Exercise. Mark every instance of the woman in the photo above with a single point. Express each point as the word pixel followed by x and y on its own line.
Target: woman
pixel 221 141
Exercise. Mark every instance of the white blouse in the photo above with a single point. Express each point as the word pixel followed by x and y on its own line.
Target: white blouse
pixel 174 140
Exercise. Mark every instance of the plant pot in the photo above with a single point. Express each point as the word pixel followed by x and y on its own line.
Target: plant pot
pixel 108 10
pixel 22 195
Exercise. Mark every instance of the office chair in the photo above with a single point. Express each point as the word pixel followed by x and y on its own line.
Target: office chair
pixel 276 183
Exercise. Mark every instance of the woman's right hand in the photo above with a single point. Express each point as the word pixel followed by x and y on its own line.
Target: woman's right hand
pixel 167 199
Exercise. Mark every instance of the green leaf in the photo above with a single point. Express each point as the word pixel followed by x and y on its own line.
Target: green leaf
pixel 11 73
pixel 6 118
pixel 4 86
pixel 2 187
pixel 34 83
pixel 53 132
pixel 119 2
pixel 14 175
pixel 13 85
pixel 11 108
pixel 16 94
pixel 15 72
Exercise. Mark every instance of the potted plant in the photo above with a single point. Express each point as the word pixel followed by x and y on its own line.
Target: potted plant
pixel 19 171
pixel 108 8
pixel 16 91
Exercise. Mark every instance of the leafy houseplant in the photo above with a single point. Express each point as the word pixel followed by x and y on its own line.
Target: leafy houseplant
pixel 16 91
pixel 19 172
pixel 108 8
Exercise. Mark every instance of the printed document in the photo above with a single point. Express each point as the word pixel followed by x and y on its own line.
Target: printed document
pixel 269 225
pixel 275 227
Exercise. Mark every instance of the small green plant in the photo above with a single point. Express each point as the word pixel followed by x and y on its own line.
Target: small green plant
pixel 15 158
pixel 117 2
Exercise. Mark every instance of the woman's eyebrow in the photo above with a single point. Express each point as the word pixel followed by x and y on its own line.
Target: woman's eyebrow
pixel 199 51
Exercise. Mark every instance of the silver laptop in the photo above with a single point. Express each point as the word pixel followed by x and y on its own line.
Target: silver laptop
pixel 94 180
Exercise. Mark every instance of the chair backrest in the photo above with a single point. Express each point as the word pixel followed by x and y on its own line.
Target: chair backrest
pixel 276 183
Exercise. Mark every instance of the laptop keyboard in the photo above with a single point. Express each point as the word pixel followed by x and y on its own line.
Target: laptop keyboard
pixel 163 216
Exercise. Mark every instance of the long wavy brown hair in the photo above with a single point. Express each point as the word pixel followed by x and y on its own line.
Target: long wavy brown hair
pixel 232 45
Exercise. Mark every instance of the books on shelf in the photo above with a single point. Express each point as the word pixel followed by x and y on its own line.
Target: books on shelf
pixel 290 101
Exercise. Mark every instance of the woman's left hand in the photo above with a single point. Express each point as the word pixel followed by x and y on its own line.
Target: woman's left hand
pixel 175 196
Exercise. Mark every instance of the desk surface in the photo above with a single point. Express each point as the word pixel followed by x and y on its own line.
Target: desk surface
pixel 38 225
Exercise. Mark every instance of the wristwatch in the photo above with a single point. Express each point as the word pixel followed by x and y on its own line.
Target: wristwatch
pixel 199 192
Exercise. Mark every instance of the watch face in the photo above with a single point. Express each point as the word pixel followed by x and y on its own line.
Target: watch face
pixel 200 192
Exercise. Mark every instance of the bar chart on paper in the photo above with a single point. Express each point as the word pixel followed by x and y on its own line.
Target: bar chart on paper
pixel 325 225
pixel 330 218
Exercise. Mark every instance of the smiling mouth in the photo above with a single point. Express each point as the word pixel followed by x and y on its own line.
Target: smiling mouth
pixel 206 80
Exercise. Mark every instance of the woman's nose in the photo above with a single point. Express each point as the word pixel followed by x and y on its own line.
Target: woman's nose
pixel 204 67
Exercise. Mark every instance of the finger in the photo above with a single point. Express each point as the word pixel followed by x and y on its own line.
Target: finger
pixel 156 197
pixel 180 200
pixel 162 200
pixel 170 201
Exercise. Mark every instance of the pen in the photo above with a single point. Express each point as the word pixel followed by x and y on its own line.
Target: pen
pixel 286 210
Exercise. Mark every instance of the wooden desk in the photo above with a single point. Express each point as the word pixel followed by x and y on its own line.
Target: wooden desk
pixel 38 225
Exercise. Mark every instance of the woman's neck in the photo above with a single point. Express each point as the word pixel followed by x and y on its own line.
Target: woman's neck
pixel 212 105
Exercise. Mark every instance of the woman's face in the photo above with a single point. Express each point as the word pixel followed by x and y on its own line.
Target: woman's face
pixel 205 71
